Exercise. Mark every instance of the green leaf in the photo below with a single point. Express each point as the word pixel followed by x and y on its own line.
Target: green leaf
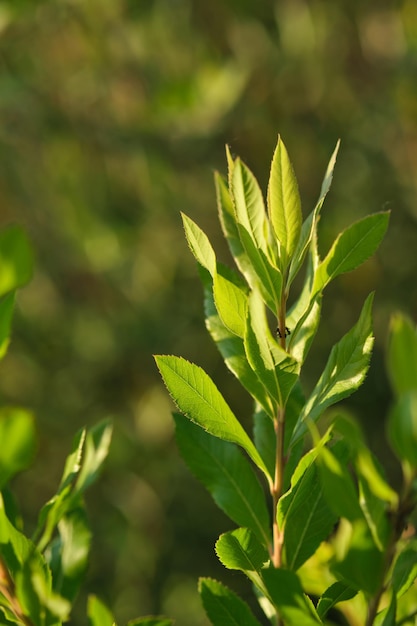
pixel 232 349
pixel 339 489
pixel 249 204
pixel 199 244
pixel 68 554
pixel 98 613
pixel 338 592
pixel 223 606
pixel 15 259
pixel 240 549
pixel 303 514
pixel 284 204
pixel 351 248
pixel 402 428
pixel 309 227
pixel 230 298
pixel 405 570
pixel 228 476
pixel 344 372
pixel 386 617
pixel 17 432
pixel 361 564
pixel 6 312
pixel 402 354
pixel 286 593
pixel 198 398
pixel 275 368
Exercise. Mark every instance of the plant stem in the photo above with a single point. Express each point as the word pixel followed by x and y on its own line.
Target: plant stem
pixel 278 483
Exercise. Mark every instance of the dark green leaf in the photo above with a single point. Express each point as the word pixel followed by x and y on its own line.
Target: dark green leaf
pixel 338 592
pixel 402 354
pixel 285 592
pixel 223 606
pixel 226 473
pixel 15 259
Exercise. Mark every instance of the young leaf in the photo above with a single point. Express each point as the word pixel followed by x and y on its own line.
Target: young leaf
pixel 249 204
pixel 351 248
pixel 276 369
pixel 284 205
pixel 198 398
pixel 98 613
pixel 199 244
pixel 232 349
pixel 309 227
pixel 250 257
pixel 338 592
pixel 241 550
pixel 402 354
pixel 226 473
pixel 223 606
pixel 286 593
pixel 344 372
pixel 230 298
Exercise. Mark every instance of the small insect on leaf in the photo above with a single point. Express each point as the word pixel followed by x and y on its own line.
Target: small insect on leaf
pixel 287 332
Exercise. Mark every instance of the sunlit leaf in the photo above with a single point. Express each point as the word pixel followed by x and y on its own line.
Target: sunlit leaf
pixel 198 398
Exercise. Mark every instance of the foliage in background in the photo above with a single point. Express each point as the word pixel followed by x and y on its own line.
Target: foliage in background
pixel 40 575
pixel 112 114
pixel 337 539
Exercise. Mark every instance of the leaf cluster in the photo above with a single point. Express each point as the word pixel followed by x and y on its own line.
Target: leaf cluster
pixel 333 543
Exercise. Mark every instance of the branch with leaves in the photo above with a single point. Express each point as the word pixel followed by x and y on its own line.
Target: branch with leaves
pixel 330 534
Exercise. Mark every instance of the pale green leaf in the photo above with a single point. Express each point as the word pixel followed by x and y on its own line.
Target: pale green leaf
pixel 226 473
pixel 351 248
pixel 199 244
pixel 249 204
pixel 284 205
pixel 223 606
pixel 198 398
pixel 230 298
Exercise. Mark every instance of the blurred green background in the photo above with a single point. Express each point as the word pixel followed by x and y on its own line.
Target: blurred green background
pixel 114 114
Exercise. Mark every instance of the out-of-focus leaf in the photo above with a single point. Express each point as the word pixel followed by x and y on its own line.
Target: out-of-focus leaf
pixel 402 354
pixel 198 398
pixel 6 311
pixel 405 570
pixel 338 592
pixel 98 613
pixel 226 473
pixel 151 621
pixel 223 606
pixel 15 259
pixel 339 490
pixel 402 428
pixel 17 434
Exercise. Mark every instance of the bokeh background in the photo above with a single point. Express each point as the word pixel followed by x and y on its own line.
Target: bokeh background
pixel 113 116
